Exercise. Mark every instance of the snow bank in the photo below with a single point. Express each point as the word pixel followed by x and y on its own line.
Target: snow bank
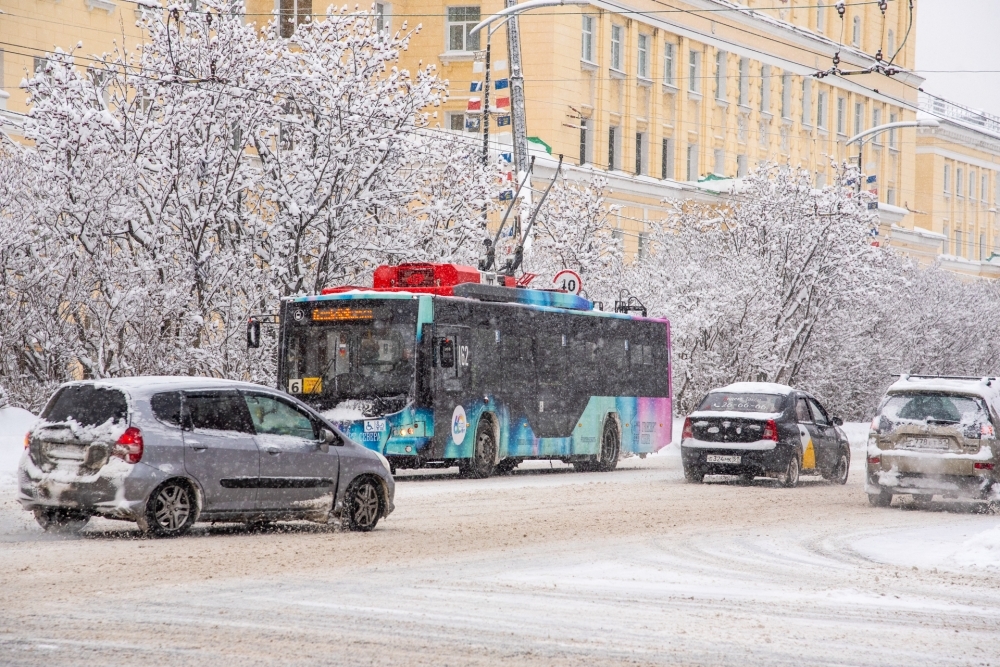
pixel 973 544
pixel 14 423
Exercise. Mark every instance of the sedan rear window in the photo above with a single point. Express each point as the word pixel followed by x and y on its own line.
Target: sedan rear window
pixel 723 401
pixel 935 409
pixel 87 405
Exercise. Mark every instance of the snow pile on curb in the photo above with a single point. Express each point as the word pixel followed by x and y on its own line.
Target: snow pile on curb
pixel 14 423
pixel 972 543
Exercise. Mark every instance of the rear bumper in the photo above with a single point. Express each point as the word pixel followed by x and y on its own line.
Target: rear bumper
pixel 118 490
pixel 949 474
pixel 752 461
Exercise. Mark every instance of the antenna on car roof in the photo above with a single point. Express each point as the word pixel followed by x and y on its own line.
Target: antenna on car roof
pixel 987 380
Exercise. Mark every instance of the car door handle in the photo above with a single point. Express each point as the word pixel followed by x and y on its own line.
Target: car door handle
pixel 197 446
pixel 273 450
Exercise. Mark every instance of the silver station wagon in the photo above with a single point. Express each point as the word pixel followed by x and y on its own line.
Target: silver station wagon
pixel 166 452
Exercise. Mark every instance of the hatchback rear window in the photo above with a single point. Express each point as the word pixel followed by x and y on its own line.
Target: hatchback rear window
pixel 935 409
pixel 87 405
pixel 722 401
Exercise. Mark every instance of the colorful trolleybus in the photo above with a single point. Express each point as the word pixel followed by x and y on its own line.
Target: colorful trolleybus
pixel 439 365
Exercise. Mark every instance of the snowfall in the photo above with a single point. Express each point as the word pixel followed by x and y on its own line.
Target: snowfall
pixel 542 567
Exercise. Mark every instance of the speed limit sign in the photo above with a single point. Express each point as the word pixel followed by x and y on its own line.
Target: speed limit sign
pixel 568 281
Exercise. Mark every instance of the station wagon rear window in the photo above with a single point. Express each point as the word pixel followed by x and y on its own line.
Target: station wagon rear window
pixel 87 405
pixel 928 408
pixel 723 401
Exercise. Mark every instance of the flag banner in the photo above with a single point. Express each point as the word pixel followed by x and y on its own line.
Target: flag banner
pixel 501 84
pixel 500 66
pixel 472 123
pixel 507 195
pixel 503 121
pixel 507 156
pixel 478 67
pixel 502 103
pixel 476 87
pixel 875 231
pixel 871 179
pixel 873 191
pixel 475 104
pixel 872 205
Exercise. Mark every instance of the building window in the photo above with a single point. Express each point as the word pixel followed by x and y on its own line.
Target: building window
pixel 859 117
pixel 947 178
pixel 720 162
pixel 382 13
pixel 293 13
pixel 982 246
pixel 890 196
pixel 587 48
pixel 856 32
pixel 946 232
pixel 984 187
pixel 640 154
pixel 692 162
pixel 720 75
pixel 820 18
pixel 876 121
pixel 460 21
pixel 893 136
pixel 668 64
pixel 958 242
pixel 744 81
pixel 786 96
pixel 765 88
pixel 643 69
pixel 464 122
pixel 667 159
pixel 806 101
pixel 613 152
pixel 694 71
pixel 584 142
pixel 821 107
pixel 741 166
pixel 841 115
pixel 892 46
pixel 972 184
pixel 958 182
pixel 643 245
pixel 617 33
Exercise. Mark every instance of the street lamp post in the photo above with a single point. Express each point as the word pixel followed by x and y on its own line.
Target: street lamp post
pixel 862 137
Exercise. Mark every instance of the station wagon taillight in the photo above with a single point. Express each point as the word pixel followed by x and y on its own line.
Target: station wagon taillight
pixel 687 432
pixel 874 460
pixel 129 445
pixel 770 431
pixel 982 465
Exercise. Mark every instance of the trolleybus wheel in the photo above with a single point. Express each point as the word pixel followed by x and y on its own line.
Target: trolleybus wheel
pixel 610 447
pixel 484 453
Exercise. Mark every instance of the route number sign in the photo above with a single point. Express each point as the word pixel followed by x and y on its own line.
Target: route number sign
pixel 568 281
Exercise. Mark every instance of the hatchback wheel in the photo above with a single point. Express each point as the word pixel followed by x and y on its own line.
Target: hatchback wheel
pixel 790 477
pixel 170 511
pixel 363 505
pixel 60 521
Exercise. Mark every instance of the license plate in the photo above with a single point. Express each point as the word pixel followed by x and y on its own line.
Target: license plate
pixel 720 458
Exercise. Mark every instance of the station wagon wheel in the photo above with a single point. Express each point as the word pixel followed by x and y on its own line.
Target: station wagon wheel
pixel 363 505
pixel 484 453
pixel 170 511
pixel 610 447
pixel 881 499
pixel 790 477
pixel 65 522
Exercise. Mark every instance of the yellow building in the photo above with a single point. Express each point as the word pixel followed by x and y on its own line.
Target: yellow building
pixel 660 95
pixel 29 29
pixel 958 173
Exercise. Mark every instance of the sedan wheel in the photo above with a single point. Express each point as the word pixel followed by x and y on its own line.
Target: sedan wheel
pixel 790 477
pixel 170 511
pixel 363 506
pixel 841 470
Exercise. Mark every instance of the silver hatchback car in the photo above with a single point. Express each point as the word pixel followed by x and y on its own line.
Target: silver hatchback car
pixel 166 452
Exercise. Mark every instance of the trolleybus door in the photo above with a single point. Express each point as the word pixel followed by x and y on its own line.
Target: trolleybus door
pixel 452 359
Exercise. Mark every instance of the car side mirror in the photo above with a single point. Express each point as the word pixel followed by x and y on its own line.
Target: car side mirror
pixel 327 438
pixel 253 333
pixel 837 421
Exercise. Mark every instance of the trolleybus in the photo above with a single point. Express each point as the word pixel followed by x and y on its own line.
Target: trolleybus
pixel 442 365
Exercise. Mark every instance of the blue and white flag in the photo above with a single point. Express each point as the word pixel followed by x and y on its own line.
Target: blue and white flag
pixel 476 87
pixel 507 195
pixel 873 206
pixel 501 84
pixel 503 121
pixel 507 156
pixel 871 179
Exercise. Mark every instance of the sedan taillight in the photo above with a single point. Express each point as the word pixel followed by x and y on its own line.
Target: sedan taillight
pixel 687 432
pixel 770 431
pixel 129 445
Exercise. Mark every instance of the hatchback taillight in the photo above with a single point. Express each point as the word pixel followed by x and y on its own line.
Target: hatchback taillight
pixel 129 445
pixel 687 432
pixel 770 431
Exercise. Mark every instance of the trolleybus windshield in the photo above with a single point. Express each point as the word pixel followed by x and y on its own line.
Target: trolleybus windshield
pixel 355 349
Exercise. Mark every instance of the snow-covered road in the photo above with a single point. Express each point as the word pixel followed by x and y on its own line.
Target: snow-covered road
pixel 545 567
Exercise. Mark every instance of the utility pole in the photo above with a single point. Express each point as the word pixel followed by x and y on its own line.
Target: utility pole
pixel 518 116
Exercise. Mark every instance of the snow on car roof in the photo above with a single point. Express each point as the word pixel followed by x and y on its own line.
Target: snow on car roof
pixel 151 383
pixel 947 385
pixel 757 388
